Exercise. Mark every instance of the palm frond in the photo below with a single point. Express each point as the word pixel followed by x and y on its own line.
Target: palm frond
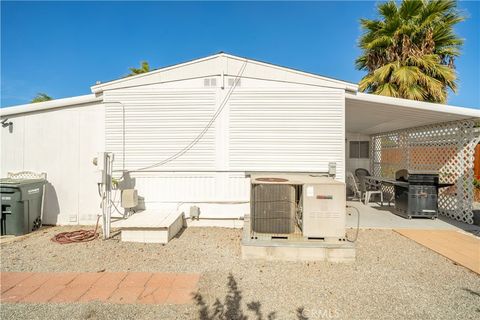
pixel 367 83
pixel 410 50
pixel 388 89
pixel 388 9
pixel 414 92
pixel 371 25
pixel 410 8
pixel 383 41
pixel 406 75
pixel 361 63
pixel 383 73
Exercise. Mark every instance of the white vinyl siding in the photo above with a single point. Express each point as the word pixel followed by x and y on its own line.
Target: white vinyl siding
pixel 264 126
pixel 158 124
pixel 291 130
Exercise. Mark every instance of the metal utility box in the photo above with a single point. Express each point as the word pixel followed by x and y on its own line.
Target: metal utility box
pixel 21 201
pixel 282 202
pixel 324 203
pixel 129 198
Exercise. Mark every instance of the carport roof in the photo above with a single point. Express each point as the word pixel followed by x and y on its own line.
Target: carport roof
pixel 371 114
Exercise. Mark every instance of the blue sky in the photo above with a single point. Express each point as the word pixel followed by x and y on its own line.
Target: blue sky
pixel 63 48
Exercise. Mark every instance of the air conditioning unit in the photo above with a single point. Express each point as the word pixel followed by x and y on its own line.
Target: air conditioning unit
pixel 273 208
pixel 310 205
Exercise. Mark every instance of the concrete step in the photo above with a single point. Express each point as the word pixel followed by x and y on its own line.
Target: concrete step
pixel 151 226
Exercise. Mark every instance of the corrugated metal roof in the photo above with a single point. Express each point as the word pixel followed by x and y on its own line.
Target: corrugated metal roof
pixel 370 114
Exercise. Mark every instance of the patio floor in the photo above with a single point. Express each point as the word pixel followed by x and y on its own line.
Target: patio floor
pixel 373 216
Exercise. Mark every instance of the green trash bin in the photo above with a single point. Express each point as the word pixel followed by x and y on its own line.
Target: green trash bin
pixel 21 205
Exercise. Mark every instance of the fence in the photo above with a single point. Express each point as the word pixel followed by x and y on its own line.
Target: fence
pixel 446 147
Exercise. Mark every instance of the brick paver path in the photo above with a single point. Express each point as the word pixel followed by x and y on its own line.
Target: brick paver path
pixel 112 287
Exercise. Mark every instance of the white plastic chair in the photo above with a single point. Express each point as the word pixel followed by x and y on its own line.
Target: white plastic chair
pixel 353 185
pixel 370 188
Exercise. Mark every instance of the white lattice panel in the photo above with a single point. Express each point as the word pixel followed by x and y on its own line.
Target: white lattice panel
pixel 447 147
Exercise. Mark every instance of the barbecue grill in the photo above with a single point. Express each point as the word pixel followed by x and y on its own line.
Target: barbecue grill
pixel 416 194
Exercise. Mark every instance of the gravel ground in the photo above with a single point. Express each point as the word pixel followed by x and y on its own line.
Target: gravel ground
pixel 393 278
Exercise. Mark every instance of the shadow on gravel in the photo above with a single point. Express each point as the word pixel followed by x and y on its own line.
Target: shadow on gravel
pixel 231 307
pixel 474 293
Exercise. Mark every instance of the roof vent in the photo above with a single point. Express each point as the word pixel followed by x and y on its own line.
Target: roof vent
pixel 210 82
pixel 231 81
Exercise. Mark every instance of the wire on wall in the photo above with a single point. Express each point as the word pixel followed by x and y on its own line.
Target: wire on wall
pixel 204 131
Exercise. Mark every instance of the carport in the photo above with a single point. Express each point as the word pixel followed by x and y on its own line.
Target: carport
pixel 417 136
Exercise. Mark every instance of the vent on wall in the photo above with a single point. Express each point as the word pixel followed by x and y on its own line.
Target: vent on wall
pixel 231 81
pixel 210 82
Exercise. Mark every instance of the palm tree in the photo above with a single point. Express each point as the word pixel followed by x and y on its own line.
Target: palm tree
pixel 410 51
pixel 41 97
pixel 145 67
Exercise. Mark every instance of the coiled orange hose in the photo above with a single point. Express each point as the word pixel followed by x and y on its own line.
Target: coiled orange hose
pixel 76 236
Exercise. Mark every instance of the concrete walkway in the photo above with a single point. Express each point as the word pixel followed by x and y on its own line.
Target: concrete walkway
pixel 374 216
pixel 112 287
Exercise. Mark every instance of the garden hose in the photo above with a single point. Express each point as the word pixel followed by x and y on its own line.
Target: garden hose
pixel 76 236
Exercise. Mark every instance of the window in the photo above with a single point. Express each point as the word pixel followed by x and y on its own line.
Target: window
pixel 359 149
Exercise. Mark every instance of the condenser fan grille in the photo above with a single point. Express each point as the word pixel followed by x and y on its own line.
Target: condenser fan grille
pixel 273 208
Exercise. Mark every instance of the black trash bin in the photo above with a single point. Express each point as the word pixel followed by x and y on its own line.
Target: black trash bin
pixel 21 205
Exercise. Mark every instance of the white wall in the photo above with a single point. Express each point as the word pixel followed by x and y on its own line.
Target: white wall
pixel 62 143
pixel 286 129
pixel 352 164
pixel 264 126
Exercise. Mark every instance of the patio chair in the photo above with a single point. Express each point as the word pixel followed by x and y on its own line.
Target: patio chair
pixel 361 172
pixel 368 188
pixel 353 185
pixel 369 193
